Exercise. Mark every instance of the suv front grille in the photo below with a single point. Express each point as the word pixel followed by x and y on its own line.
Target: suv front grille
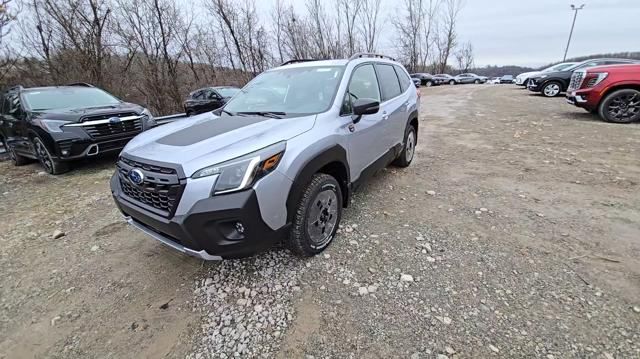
pixel 127 128
pixel 576 80
pixel 160 190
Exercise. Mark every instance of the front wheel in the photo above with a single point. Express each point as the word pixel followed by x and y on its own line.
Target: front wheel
pixel 476 82
pixel 429 84
pixel 622 106
pixel 409 148
pixel 452 82
pixel 317 216
pixel 552 89
pixel 46 160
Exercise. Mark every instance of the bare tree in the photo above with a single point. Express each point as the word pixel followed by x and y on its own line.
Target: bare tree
pixel 429 24
pixel 8 58
pixel 75 30
pixel 464 57
pixel 350 9
pixel 369 23
pixel 447 35
pixel 408 28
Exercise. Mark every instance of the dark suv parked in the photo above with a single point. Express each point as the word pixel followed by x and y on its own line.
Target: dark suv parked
pixel 55 125
pixel 208 99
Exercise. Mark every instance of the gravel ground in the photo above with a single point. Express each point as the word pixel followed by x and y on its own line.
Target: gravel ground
pixel 515 233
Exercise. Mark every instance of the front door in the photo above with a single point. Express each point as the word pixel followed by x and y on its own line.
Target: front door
pixel 366 141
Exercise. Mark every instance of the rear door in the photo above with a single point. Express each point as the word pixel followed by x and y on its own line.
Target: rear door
pixel 393 107
pixel 366 138
pixel 13 122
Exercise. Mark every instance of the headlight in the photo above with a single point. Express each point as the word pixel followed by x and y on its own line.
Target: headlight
pixel 241 173
pixel 593 79
pixel 53 125
pixel 544 76
pixel 148 118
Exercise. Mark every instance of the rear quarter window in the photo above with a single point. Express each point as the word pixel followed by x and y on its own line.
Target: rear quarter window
pixel 405 81
pixel 389 83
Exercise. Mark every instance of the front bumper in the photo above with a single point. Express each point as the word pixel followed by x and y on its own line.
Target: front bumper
pixel 534 85
pixel 223 226
pixel 582 99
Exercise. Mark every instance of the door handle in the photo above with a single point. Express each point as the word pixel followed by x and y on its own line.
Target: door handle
pixel 385 116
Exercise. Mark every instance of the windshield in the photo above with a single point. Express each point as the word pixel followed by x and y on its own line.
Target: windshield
pixel 228 91
pixel 294 91
pixel 67 97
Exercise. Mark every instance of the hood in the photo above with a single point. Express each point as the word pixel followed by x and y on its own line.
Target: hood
pixel 529 74
pixel 76 114
pixel 207 139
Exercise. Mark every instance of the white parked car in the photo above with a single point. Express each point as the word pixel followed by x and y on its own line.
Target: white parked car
pixel 522 79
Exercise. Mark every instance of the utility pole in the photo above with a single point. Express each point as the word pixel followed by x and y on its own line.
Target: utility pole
pixel 575 15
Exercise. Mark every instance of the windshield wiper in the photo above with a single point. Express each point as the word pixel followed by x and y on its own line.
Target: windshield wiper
pixel 271 114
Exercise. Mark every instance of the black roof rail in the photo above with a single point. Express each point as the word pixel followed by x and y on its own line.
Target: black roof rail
pixel 359 55
pixel 83 84
pixel 296 61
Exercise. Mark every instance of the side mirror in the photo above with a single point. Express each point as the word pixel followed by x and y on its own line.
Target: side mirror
pixel 364 106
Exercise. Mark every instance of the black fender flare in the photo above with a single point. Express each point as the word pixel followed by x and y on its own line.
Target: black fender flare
pixel 336 154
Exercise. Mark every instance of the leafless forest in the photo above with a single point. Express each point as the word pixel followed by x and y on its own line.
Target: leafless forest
pixel 154 52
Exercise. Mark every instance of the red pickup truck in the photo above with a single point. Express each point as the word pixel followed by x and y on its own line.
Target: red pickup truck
pixel 611 91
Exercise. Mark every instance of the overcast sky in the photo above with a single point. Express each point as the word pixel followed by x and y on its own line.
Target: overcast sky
pixel 534 32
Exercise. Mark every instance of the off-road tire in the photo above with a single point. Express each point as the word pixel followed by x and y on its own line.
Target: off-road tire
pixel 299 241
pixel 47 161
pixel 405 158
pixel 15 158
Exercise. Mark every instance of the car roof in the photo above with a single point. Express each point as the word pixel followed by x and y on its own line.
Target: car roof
pixel 337 62
pixel 47 88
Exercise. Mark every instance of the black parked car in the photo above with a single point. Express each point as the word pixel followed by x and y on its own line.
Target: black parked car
pixel 208 99
pixel 551 84
pixel 55 125
pixel 416 82
pixel 506 79
pixel 426 79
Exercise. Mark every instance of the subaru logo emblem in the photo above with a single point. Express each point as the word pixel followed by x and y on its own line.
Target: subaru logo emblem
pixel 136 176
pixel 114 120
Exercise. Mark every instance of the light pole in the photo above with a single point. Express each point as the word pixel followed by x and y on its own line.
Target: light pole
pixel 575 15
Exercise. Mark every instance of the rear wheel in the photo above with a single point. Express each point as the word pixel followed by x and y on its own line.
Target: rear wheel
pixel 46 160
pixel 15 158
pixel 429 84
pixel 317 216
pixel 622 106
pixel 409 148
pixel 552 89
pixel 452 82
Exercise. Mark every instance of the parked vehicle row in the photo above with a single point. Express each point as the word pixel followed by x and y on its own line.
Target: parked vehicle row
pixel 554 83
pixel 429 80
pixel 608 87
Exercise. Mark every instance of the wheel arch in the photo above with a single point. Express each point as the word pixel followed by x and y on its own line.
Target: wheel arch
pixel 332 161
pixel 620 86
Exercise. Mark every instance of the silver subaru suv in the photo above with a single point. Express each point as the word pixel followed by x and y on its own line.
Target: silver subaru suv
pixel 277 163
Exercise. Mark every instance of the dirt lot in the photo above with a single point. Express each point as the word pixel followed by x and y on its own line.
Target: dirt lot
pixel 515 233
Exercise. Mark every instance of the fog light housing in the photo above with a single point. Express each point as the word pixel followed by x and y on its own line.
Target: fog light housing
pixel 232 230
pixel 65 153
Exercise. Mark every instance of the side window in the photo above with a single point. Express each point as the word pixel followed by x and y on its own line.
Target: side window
pixel 388 82
pixel 363 84
pixel 405 81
